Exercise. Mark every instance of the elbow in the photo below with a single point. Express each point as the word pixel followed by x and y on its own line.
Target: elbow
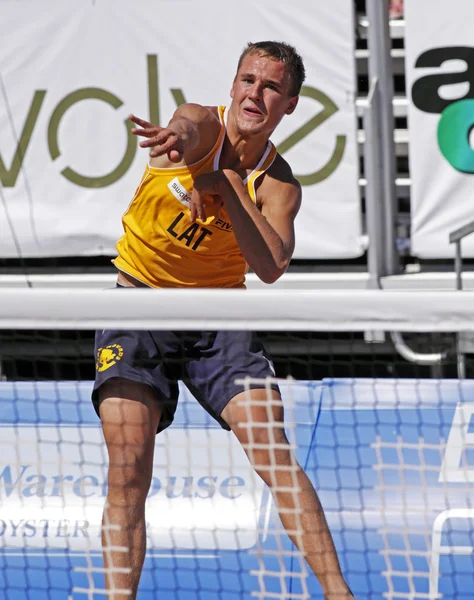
pixel 268 278
pixel 270 275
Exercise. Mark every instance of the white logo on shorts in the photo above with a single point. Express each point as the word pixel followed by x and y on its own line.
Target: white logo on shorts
pixel 179 192
pixel 270 364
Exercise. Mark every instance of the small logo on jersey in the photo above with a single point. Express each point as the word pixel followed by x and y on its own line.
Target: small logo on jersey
pixel 179 192
pixel 108 356
pixel 220 224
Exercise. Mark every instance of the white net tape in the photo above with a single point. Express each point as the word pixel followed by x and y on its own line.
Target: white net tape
pixel 392 461
pixel 272 310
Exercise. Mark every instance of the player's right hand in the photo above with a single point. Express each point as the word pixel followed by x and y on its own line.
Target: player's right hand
pixel 160 139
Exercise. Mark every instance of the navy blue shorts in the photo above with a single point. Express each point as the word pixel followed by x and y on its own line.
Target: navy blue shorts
pixel 208 363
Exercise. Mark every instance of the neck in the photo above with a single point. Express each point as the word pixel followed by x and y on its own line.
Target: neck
pixel 242 151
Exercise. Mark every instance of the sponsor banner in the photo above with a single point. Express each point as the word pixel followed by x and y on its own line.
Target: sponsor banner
pixel 53 489
pixel 440 80
pixel 392 461
pixel 69 164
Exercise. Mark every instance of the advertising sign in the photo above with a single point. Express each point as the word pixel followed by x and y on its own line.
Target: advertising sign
pixel 440 80
pixel 73 71
pixel 391 460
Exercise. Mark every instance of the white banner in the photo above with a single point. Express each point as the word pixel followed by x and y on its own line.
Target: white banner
pixel 71 72
pixel 53 488
pixel 440 83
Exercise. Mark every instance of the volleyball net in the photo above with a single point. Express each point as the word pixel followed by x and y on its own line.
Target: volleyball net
pixel 387 443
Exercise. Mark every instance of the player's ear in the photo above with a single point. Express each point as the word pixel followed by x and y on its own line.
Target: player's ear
pixel 293 103
pixel 232 89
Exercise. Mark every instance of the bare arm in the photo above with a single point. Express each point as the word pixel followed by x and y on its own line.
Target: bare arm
pixel 266 238
pixel 190 134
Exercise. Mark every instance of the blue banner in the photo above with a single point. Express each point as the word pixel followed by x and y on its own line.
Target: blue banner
pixel 392 461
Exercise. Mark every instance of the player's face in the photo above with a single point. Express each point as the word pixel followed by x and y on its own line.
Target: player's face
pixel 261 95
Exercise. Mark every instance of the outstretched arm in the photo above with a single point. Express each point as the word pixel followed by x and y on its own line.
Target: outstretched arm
pixel 192 130
pixel 266 237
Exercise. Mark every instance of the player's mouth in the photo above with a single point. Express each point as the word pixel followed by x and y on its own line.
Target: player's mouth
pixel 252 111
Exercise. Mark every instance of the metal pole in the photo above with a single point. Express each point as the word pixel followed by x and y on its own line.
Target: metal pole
pixel 461 363
pixel 458 265
pixel 374 188
pixel 461 359
pixel 455 237
pixel 411 355
pixel 380 67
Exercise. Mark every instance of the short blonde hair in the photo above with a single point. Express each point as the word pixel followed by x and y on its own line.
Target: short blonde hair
pixel 281 52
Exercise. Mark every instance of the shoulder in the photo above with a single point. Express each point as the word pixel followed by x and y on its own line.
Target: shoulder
pixel 204 120
pixel 279 187
pixel 198 114
pixel 280 171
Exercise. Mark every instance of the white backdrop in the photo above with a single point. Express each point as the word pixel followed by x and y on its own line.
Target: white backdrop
pixel 66 172
pixel 442 196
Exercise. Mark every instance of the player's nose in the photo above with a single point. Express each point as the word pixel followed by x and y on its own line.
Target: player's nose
pixel 255 91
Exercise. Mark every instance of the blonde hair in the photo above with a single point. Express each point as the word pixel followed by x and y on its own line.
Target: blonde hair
pixel 281 52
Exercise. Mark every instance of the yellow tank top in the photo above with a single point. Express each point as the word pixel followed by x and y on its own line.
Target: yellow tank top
pixel 162 248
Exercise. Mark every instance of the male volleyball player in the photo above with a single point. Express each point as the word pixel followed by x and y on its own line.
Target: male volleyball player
pixel 215 197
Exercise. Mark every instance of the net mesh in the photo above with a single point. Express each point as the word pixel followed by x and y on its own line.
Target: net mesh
pixel 388 445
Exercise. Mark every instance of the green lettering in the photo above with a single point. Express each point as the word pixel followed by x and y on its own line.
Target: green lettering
pixel 153 89
pixel 61 109
pixel 454 127
pixel 178 96
pixel 8 177
pixel 329 108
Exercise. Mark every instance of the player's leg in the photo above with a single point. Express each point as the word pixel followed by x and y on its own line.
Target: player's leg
pixel 134 398
pixel 259 428
pixel 130 415
pixel 219 360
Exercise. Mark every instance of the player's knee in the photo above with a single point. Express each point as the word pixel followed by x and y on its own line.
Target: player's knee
pixel 265 437
pixel 257 434
pixel 132 494
pixel 129 476
pixel 268 450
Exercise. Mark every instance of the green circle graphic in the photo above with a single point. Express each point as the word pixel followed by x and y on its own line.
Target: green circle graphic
pixel 454 127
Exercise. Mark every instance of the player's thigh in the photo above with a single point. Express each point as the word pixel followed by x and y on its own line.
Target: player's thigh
pixel 135 357
pixel 130 415
pixel 256 419
pixel 226 364
pixel 129 411
pixel 256 416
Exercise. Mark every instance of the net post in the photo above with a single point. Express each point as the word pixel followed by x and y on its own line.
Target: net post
pixel 458 264
pixel 374 189
pixel 461 360
pixel 374 192
pixel 380 66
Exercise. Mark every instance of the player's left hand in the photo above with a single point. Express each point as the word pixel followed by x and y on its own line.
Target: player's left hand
pixel 161 140
pixel 207 185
